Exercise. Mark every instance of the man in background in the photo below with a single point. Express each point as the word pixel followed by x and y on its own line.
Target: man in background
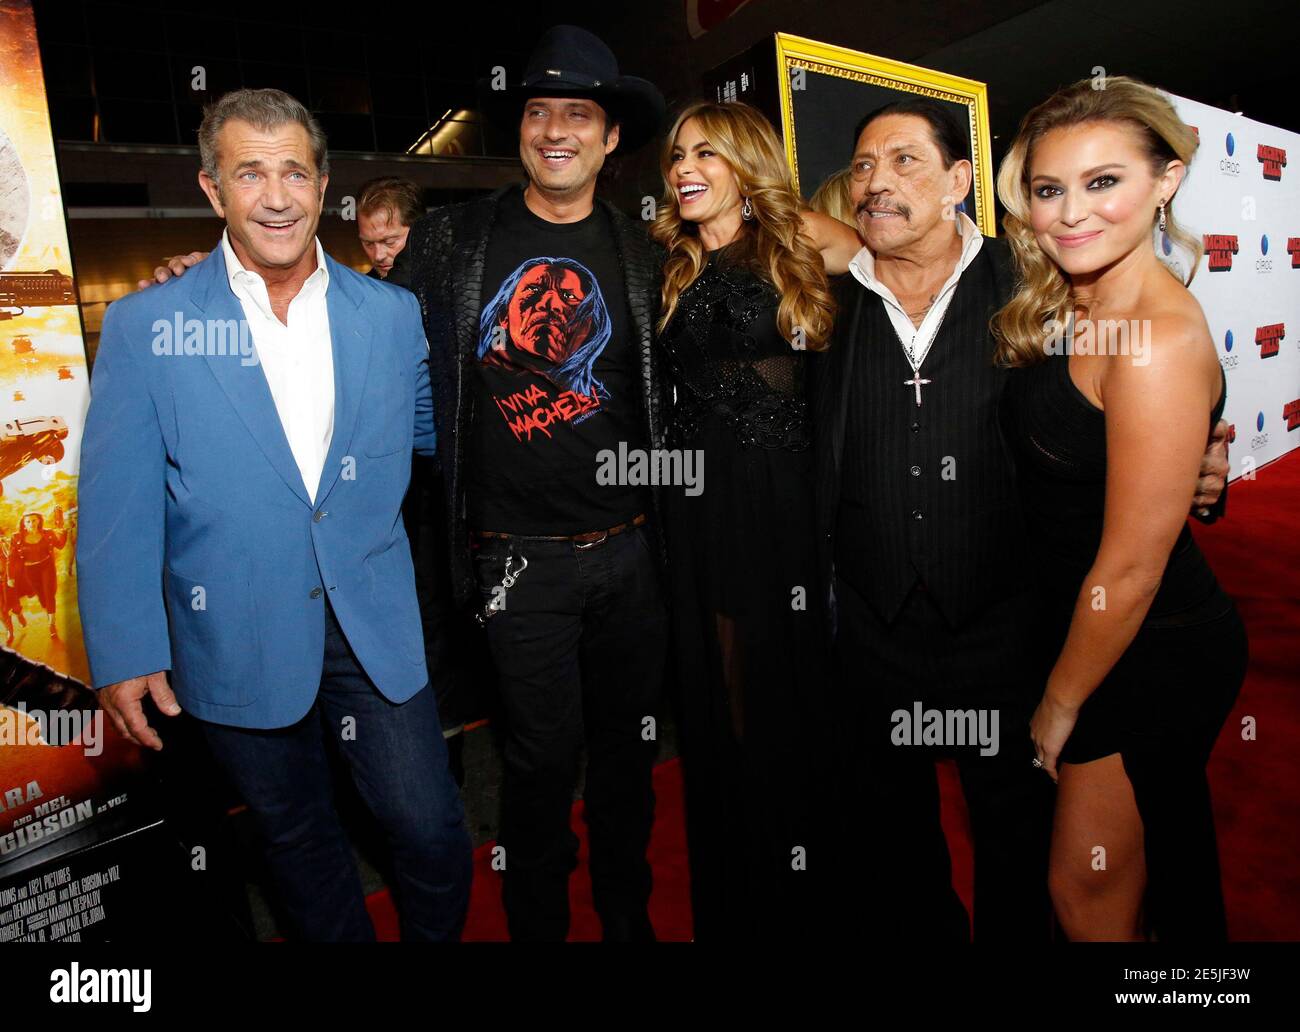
pixel 387 208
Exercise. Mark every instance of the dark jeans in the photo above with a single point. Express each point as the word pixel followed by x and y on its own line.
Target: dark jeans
pixel 579 650
pixel 399 762
pixel 892 811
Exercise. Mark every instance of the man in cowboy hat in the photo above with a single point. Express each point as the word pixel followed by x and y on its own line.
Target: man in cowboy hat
pixel 539 303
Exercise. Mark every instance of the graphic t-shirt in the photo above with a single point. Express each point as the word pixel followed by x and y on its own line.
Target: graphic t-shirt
pixel 556 379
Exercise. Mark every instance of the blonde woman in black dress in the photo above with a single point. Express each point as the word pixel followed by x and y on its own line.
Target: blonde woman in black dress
pixel 1144 652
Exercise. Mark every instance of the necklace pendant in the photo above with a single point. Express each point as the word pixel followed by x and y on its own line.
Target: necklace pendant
pixel 916 382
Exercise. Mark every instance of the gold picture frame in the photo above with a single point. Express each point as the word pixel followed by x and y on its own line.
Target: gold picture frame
pixel 797 52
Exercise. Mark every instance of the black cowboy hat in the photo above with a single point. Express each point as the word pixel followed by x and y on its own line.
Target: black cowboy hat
pixel 572 62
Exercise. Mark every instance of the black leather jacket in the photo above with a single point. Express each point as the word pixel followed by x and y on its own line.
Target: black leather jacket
pixel 444 260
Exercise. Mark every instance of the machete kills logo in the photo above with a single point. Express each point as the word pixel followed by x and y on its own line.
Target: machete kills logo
pixel 1220 247
pixel 1273 159
pixel 1269 339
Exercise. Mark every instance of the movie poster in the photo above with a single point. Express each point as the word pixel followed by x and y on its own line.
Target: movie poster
pixel 63 767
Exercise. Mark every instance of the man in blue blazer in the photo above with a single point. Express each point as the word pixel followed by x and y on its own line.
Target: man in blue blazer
pixel 244 462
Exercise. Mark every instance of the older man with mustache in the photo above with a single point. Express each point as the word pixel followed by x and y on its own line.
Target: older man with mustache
pixel 920 523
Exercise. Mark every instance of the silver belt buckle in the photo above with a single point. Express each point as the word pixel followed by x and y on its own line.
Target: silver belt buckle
pixel 604 536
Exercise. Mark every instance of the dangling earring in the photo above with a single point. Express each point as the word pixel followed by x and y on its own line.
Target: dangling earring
pixel 1162 216
pixel 746 210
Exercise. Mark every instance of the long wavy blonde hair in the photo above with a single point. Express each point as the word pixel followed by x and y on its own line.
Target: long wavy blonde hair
pixel 1044 293
pixel 771 242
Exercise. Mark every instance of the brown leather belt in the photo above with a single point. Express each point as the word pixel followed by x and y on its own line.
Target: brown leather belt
pixel 586 539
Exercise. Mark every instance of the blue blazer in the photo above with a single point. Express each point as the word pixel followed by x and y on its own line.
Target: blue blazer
pixel 199 550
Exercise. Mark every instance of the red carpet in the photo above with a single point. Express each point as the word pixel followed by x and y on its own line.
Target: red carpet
pixel 1255 552
pixel 670 904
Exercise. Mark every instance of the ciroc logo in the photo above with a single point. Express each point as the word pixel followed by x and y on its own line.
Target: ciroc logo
pixel 1226 165
pixel 1229 360
pixel 1261 438
pixel 1263 264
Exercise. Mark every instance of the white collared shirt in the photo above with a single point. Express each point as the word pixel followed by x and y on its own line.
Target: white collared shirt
pixel 918 339
pixel 297 359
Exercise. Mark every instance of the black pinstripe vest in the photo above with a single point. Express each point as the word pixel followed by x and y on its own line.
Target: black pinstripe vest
pixel 927 492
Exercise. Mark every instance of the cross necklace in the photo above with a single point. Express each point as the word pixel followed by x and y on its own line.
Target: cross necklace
pixel 915 360
pixel 918 383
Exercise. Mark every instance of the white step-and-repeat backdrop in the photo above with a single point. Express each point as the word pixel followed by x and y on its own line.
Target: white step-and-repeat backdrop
pixel 1243 201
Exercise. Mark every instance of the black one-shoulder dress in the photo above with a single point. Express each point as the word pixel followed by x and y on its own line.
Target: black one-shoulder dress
pixel 1164 702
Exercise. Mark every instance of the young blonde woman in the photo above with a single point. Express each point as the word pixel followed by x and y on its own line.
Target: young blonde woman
pixel 1145 652
pixel 745 300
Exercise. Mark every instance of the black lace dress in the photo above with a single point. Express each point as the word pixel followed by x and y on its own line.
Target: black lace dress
pixel 747 617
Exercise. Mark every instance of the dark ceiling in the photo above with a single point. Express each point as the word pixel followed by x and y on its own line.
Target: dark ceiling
pixel 378 70
pixel 1234 54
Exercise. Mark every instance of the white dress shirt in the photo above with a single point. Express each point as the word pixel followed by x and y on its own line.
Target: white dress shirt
pixel 297 359
pixel 916 340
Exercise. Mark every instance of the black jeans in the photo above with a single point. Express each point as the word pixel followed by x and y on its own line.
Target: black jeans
pixel 579 649
pixel 399 764
pixel 892 810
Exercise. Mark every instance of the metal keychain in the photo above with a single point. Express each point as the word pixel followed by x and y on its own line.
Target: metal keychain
pixel 498 601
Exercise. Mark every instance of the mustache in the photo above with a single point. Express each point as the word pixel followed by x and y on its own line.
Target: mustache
pixel 901 209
